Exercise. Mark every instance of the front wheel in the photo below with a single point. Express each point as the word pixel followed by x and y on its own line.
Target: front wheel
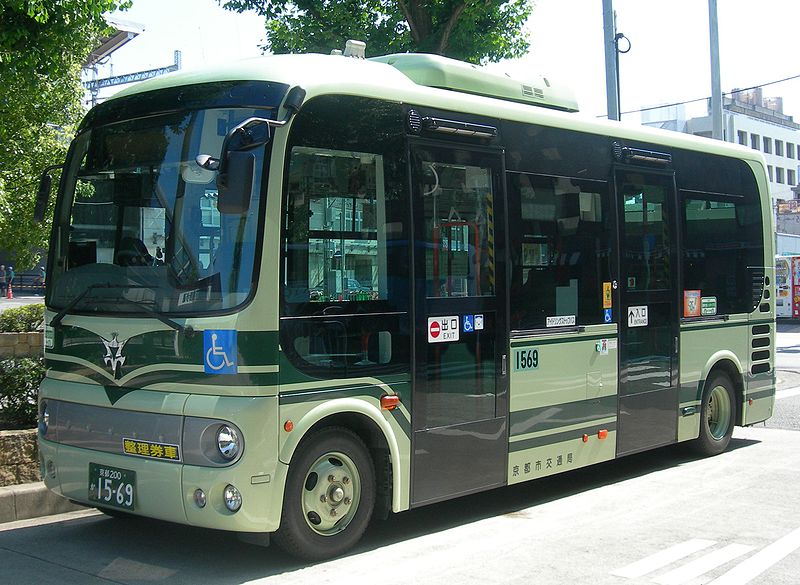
pixel 329 496
pixel 716 416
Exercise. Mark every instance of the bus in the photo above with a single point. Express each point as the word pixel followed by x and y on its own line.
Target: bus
pixel 294 294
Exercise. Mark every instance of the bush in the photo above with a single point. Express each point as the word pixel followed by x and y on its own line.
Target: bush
pixel 21 319
pixel 19 383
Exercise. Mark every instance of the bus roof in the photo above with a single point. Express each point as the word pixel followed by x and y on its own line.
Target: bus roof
pixel 429 80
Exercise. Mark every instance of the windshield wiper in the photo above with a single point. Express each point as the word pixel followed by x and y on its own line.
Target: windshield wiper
pixel 189 331
pixel 71 305
pixel 144 308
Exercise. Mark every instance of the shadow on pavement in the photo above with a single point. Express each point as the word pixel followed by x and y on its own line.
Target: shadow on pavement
pixel 136 550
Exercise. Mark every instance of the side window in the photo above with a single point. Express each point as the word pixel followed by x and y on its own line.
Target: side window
pixel 345 286
pixel 560 248
pixel 341 196
pixel 723 250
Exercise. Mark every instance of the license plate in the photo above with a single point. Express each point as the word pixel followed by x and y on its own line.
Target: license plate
pixel 112 486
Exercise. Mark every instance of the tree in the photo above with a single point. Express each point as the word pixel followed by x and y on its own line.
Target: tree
pixel 42 46
pixel 471 30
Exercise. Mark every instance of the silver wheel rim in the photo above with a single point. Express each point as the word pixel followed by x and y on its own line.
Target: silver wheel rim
pixel 718 412
pixel 331 493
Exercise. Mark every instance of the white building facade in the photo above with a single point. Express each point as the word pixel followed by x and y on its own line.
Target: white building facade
pixel 759 123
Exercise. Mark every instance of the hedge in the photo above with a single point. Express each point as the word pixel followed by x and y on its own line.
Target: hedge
pixel 22 319
pixel 20 377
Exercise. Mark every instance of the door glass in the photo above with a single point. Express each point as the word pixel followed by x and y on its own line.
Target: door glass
pixel 458 203
pixel 456 233
pixel 646 354
pixel 646 244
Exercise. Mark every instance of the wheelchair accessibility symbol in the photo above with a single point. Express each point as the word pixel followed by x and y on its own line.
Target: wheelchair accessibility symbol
pixel 220 351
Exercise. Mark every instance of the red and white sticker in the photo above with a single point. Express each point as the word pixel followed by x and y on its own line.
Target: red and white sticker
pixel 443 329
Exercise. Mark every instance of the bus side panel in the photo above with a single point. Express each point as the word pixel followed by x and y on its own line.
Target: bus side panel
pixel 563 403
pixel 699 354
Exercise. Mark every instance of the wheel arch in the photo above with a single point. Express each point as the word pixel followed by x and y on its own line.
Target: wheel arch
pixel 368 423
pixel 726 362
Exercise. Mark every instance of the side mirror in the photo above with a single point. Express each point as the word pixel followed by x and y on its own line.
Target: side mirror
pixel 43 194
pixel 237 164
pixel 235 185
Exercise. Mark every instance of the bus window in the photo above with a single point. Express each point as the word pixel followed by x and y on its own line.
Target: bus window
pixel 560 249
pixel 722 245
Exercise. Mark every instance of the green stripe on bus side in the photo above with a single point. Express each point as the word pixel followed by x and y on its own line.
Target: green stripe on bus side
pixel 168 376
pixel 255 348
pixel 686 327
pixel 556 416
pixel 543 441
pixel 548 341
pixel 761 394
pixel 376 392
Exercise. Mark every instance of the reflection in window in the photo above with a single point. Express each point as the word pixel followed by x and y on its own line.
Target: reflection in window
pixel 559 248
pixel 340 195
pixel 723 250
pixel 459 226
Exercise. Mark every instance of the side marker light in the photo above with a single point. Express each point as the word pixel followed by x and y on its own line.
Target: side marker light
pixel 389 401
pixel 585 438
pixel 288 426
pixel 602 434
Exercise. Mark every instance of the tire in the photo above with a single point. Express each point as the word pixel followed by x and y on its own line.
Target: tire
pixel 717 416
pixel 329 495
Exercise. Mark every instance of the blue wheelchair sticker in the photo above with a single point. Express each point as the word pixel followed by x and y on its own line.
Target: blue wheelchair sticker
pixel 607 317
pixel 468 324
pixel 220 351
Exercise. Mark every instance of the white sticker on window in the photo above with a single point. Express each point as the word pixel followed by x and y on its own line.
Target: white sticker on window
pixel 443 329
pixel 562 321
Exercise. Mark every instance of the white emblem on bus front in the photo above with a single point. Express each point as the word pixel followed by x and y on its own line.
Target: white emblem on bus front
pixel 114 357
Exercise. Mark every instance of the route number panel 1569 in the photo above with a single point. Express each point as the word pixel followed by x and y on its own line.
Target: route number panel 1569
pixel 526 359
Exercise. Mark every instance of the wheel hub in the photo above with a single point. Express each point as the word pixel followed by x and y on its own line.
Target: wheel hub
pixel 331 494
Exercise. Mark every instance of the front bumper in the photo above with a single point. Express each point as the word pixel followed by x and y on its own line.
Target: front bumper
pixel 165 488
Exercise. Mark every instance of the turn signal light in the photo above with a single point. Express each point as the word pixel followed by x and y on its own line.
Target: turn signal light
pixel 585 438
pixel 602 434
pixel 390 401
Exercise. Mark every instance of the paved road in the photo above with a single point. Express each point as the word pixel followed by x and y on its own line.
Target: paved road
pixel 661 517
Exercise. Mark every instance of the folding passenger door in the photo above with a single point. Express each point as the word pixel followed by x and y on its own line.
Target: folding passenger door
pixel 648 327
pixel 460 373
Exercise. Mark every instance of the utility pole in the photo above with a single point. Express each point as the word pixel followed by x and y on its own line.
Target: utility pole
pixel 716 86
pixel 612 73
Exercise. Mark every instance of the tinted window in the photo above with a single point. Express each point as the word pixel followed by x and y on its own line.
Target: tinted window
pixel 345 272
pixel 723 250
pixel 560 249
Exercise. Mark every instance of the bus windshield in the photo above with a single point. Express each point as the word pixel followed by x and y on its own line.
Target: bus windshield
pixel 139 220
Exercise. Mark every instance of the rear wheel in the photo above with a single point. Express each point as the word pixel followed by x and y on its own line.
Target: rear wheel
pixel 716 416
pixel 329 495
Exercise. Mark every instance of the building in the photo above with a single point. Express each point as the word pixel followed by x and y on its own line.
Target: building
pixel 757 122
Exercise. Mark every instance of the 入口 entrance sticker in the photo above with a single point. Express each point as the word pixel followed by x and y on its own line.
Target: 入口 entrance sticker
pixel 708 306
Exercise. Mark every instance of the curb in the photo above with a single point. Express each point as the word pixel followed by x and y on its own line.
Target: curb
pixel 31 500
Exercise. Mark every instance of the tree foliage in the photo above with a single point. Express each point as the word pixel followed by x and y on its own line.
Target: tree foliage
pixel 42 46
pixel 471 30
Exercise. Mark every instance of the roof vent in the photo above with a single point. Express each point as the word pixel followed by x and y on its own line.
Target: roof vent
pixel 441 72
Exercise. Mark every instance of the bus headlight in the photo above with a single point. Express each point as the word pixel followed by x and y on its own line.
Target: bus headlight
pixel 44 418
pixel 233 498
pixel 228 442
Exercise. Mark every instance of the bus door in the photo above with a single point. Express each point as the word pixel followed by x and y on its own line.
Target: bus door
pixel 648 327
pixel 459 405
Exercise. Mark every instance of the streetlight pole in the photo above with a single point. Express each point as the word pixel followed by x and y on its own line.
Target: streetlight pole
pixel 612 60
pixel 716 86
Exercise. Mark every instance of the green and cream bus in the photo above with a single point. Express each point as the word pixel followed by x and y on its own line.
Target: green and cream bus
pixel 297 293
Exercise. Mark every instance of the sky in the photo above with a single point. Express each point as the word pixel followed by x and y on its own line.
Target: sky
pixel 668 61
